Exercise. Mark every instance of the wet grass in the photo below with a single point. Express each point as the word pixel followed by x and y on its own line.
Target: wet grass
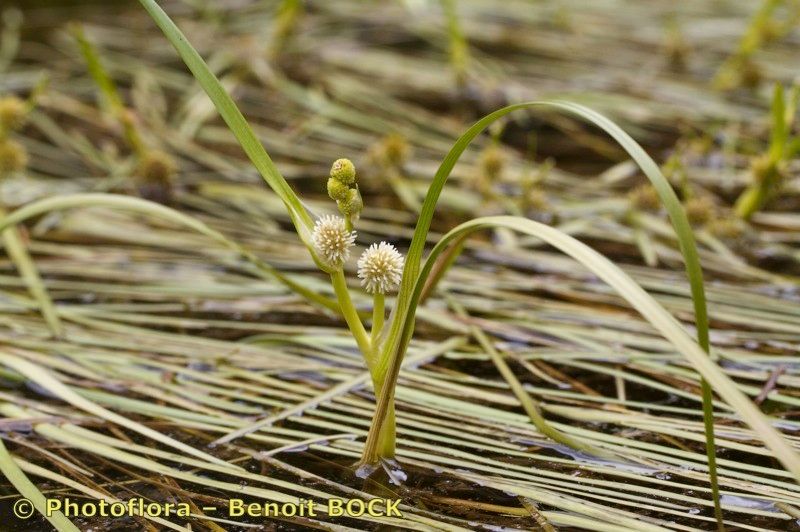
pixel 183 333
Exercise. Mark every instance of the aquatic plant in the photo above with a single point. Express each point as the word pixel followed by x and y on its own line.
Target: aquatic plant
pixel 769 168
pixel 429 287
pixel 380 441
pixel 741 69
pixel 153 175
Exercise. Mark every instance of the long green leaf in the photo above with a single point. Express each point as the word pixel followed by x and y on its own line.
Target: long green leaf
pixel 649 167
pixel 680 223
pixel 606 270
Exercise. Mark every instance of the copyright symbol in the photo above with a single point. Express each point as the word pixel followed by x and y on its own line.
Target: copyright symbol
pixel 23 508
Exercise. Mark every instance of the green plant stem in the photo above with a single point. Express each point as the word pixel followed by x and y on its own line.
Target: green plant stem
pixel 751 200
pixel 385 446
pixel 286 20
pixel 767 176
pixel 378 313
pixel 707 394
pixel 728 75
pixel 385 443
pixel 110 97
pixel 459 49
pixel 352 318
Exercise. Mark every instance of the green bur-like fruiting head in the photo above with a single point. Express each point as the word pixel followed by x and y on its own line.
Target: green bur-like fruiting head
pixel 726 227
pixel 13 157
pixel 700 209
pixel 645 198
pixel 342 188
pixel 154 176
pixel 337 190
pixel 12 113
pixel 156 167
pixel 492 163
pixel 352 204
pixel 344 171
pixel 395 150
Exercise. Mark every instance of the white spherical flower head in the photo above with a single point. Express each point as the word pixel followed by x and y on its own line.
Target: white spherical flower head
pixel 332 240
pixel 380 268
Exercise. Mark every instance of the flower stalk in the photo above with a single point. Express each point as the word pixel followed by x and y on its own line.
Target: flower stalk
pixel 351 316
pixel 392 345
pixel 768 170
pixel 380 269
pixel 378 314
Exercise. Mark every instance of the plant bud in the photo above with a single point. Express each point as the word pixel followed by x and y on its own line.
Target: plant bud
pixel 337 190
pixel 13 157
pixel 12 113
pixel 154 176
pixel 492 163
pixel 352 205
pixel 645 197
pixel 156 166
pixel 726 227
pixel 344 171
pixel 699 209
pixel 395 150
